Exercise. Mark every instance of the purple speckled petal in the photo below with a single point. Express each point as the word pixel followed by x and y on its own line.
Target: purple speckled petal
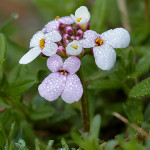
pixel 87 43
pixel 90 34
pixel 66 20
pixel 54 63
pixel 72 64
pixel 52 86
pixel 73 90
pixel 52 25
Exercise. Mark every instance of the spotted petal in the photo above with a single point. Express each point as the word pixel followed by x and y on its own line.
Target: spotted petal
pixel 52 86
pixel 66 20
pixel 73 90
pixel 53 36
pixel 30 55
pixel 36 39
pixel 87 43
pixel 52 25
pixel 50 49
pixel 54 63
pixel 72 64
pixel 105 56
pixel 117 38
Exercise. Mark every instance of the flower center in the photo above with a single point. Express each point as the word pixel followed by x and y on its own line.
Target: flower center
pixel 99 41
pixel 42 43
pixel 79 19
pixel 75 47
pixel 62 71
pixel 57 17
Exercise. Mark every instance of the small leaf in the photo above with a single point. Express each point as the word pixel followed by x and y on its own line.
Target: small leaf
pixel 11 133
pixel 42 113
pixel 95 127
pixel 3 137
pixel 141 89
pixel 21 85
pixel 21 145
pixel 12 147
pixel 37 144
pixel 50 144
pixel 2 53
pixel 64 144
pixel 110 145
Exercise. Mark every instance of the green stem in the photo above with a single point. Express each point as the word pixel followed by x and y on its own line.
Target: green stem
pixel 147 9
pixel 84 104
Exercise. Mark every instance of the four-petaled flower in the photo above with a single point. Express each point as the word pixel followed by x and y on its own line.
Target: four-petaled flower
pixel 103 45
pixel 41 43
pixel 63 80
pixel 82 15
pixel 74 48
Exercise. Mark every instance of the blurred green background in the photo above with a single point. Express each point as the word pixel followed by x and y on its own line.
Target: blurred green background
pixel 124 89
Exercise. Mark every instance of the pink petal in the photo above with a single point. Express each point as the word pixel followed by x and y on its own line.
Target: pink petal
pixel 66 20
pixel 72 64
pixel 73 90
pixel 52 86
pixel 52 25
pixel 54 63
pixel 87 43
pixel 90 34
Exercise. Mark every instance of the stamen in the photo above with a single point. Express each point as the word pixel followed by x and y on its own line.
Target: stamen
pixel 79 19
pixel 57 17
pixel 75 47
pixel 98 42
pixel 42 43
pixel 62 71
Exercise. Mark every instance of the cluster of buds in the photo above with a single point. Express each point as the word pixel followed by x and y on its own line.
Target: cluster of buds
pixel 61 37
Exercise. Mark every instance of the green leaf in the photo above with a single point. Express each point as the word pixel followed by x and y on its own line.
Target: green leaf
pixel 42 112
pixel 141 89
pixel 95 127
pixel 21 85
pixel 11 133
pixel 12 147
pixel 104 84
pixel 64 144
pixel 110 145
pixel 102 73
pixel 143 65
pixel 3 137
pixel 98 13
pixel 133 109
pixel 21 145
pixel 50 145
pixel 37 144
pixel 2 53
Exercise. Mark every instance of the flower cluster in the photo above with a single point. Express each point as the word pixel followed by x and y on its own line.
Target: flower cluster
pixel 61 38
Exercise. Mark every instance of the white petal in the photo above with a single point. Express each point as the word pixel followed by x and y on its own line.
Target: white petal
pixel 36 39
pixel 30 55
pixel 82 12
pixel 105 56
pixel 87 43
pixel 50 49
pixel 72 51
pixel 53 36
pixel 117 38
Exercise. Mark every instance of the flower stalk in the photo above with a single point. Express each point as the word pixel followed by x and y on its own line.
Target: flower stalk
pixel 84 104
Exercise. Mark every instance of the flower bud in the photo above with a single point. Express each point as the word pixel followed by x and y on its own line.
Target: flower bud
pixel 66 37
pixel 69 30
pixel 78 38
pixel 80 33
pixel 73 37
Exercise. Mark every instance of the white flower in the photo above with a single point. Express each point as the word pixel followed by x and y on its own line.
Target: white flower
pixel 74 48
pixel 82 15
pixel 103 45
pixel 41 43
